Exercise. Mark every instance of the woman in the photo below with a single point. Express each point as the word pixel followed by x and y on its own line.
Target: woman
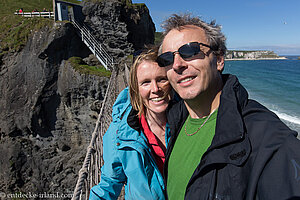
pixel 135 142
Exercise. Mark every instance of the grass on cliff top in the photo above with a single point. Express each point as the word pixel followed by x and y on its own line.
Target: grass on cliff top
pixel 15 30
pixel 129 4
pixel 78 64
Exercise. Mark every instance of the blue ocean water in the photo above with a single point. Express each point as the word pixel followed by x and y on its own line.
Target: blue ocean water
pixel 273 83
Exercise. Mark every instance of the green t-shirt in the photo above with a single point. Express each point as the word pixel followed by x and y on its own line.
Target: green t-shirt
pixel 187 153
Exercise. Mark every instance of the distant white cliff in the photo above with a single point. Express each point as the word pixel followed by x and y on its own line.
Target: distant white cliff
pixel 251 55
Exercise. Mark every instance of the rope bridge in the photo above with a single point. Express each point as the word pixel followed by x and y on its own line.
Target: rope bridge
pixel 89 174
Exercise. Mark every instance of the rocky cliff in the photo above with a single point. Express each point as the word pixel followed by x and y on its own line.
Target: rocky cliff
pixel 47 112
pixel 48 109
pixel 121 26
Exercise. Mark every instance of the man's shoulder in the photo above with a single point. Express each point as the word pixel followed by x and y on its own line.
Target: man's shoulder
pixel 256 111
pixel 264 126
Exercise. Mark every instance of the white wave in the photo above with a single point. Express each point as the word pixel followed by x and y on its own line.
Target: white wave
pixel 292 119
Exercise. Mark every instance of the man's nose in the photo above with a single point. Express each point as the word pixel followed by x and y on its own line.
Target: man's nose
pixel 179 63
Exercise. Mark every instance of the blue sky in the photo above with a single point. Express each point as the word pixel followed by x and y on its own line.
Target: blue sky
pixel 250 25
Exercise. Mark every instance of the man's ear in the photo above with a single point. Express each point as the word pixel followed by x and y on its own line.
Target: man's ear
pixel 220 63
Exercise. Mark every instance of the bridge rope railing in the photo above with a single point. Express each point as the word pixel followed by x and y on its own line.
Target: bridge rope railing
pixel 92 43
pixel 89 174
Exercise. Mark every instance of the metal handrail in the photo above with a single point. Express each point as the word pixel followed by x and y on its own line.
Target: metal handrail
pixel 98 49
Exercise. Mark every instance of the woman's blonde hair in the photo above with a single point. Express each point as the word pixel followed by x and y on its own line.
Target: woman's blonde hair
pixel 150 54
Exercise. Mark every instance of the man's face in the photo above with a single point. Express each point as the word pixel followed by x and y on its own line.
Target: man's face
pixel 193 77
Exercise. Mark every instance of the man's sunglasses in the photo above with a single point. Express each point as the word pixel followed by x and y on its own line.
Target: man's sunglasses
pixel 186 51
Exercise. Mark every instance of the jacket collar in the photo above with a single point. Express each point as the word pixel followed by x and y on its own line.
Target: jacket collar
pixel 230 125
pixel 129 128
pixel 230 143
pixel 230 132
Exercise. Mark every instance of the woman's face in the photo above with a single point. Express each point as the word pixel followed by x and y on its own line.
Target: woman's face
pixel 154 87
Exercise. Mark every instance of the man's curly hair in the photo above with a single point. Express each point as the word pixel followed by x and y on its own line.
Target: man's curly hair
pixel 216 38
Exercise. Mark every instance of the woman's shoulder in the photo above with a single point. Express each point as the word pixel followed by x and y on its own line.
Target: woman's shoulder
pixel 122 99
pixel 122 103
pixel 123 116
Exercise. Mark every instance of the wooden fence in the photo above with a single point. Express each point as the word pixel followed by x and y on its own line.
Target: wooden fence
pixel 36 14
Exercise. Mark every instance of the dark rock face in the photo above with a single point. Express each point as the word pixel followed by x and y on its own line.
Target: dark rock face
pixel 122 28
pixel 47 113
pixel 47 109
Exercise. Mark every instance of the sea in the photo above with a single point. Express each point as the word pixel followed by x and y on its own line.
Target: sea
pixel 273 83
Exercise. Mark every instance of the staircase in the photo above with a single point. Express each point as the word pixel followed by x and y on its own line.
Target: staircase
pixel 91 42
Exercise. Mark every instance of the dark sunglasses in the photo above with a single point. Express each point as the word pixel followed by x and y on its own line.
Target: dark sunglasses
pixel 186 51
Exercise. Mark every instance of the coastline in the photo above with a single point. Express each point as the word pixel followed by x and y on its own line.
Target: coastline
pixel 266 82
pixel 233 59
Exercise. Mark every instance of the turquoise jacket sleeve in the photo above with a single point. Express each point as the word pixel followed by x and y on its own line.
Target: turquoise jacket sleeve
pixel 112 174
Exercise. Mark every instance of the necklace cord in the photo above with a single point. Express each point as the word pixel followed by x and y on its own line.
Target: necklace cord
pixel 190 134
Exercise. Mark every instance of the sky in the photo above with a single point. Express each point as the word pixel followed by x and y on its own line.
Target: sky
pixel 248 25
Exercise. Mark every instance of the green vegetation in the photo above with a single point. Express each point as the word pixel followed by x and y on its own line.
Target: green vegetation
pixel 129 59
pixel 251 54
pixel 242 51
pixel 93 1
pixel 15 30
pixel 158 38
pixel 269 56
pixel 265 52
pixel 14 34
pixel 78 64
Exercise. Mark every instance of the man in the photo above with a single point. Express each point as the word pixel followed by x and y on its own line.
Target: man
pixel 223 145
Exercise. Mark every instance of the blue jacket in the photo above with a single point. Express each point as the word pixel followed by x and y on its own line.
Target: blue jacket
pixel 127 158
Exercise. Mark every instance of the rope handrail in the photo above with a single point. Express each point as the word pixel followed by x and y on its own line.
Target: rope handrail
pixel 89 173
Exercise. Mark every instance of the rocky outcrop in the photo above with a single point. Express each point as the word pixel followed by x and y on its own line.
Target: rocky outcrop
pixel 121 26
pixel 250 55
pixel 47 113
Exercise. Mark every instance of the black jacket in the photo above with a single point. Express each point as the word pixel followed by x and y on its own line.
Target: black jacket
pixel 253 154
